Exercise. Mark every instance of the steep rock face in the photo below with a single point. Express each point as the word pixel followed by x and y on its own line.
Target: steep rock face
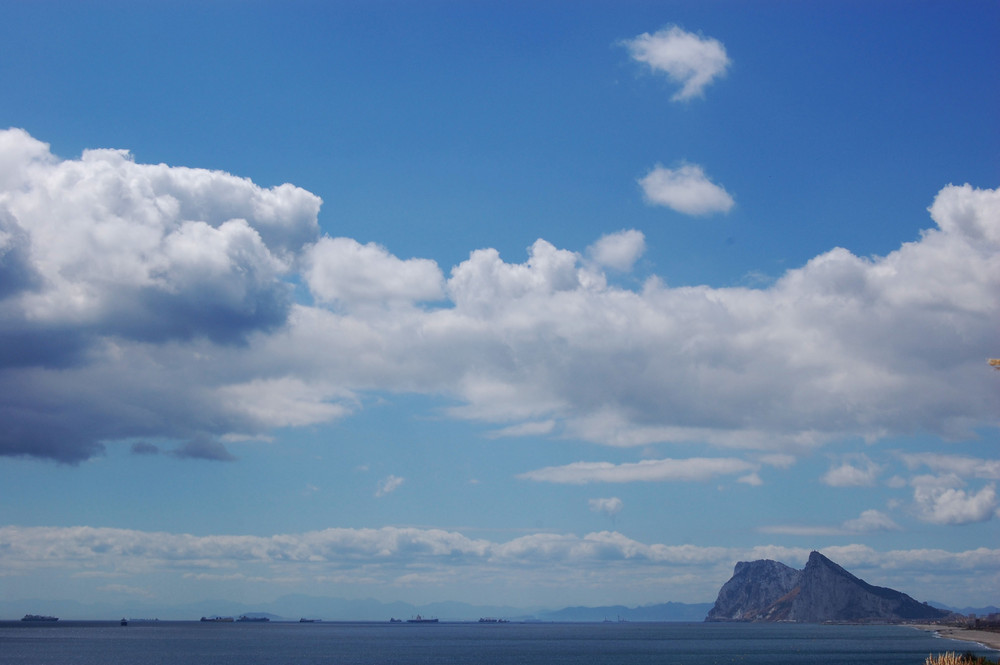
pixel 822 591
pixel 754 585
pixel 830 593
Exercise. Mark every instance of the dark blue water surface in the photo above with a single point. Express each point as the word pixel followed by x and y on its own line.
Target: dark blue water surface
pixel 194 643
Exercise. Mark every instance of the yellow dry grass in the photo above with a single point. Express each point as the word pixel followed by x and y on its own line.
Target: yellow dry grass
pixel 955 659
pixel 944 659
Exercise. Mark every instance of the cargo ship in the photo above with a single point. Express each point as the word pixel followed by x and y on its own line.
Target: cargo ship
pixel 38 617
pixel 420 619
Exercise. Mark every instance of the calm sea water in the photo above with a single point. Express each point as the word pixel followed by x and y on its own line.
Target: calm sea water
pixel 193 643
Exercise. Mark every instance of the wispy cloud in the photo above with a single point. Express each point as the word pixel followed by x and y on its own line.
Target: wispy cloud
pixel 388 485
pixel 688 59
pixel 610 506
pixel 871 520
pixel 960 465
pixel 867 522
pixel 524 429
pixel 287 401
pixel 662 470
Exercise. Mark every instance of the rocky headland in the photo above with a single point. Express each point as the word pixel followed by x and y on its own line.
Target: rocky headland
pixel 821 592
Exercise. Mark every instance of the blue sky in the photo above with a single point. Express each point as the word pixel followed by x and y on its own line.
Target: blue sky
pixel 528 303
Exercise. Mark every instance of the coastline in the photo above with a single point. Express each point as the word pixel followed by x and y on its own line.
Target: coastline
pixel 987 638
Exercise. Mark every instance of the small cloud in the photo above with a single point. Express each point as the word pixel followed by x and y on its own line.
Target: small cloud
pixel 871 520
pixel 685 189
pixel 144 448
pixel 388 485
pixel 610 506
pixel 204 448
pixel 686 58
pixel 861 474
pixel 618 251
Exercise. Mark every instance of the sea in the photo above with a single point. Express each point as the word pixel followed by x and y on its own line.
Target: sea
pixel 446 643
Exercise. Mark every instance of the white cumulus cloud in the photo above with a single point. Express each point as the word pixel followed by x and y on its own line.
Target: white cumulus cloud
pixel 688 59
pixel 941 501
pixel 341 270
pixel 685 189
pixel 120 282
pixel 861 473
pixel 618 250
pixel 140 251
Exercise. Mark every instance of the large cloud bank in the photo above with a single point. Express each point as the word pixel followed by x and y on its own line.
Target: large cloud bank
pixel 604 562
pixel 154 301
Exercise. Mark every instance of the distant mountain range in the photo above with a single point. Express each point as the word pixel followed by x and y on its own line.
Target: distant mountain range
pixel 661 612
pixel 978 611
pixel 294 607
pixel 767 590
pixel 762 590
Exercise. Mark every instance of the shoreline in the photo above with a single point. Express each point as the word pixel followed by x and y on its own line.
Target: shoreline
pixel 986 638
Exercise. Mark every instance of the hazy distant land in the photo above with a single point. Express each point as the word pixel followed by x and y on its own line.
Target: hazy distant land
pixel 292 607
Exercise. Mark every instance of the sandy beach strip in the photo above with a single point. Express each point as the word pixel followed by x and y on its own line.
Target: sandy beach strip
pixel 984 637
